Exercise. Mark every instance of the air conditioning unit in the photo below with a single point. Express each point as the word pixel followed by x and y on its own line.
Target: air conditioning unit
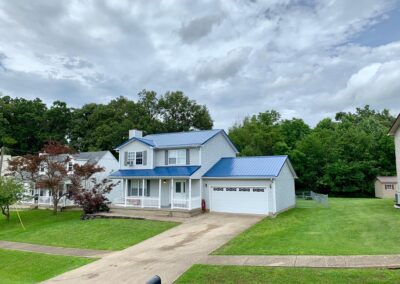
pixel 397 198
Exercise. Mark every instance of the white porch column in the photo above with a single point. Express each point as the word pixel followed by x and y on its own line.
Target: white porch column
pixel 159 193
pixel 142 193
pixel 172 193
pixel 125 186
pixel 190 194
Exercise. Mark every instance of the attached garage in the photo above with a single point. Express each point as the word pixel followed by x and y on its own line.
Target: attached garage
pixel 250 185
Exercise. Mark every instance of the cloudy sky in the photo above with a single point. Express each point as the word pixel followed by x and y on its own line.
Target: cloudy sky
pixel 306 59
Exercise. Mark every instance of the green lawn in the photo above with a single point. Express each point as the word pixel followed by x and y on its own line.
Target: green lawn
pixel 246 274
pixel 67 230
pixel 347 227
pixel 28 267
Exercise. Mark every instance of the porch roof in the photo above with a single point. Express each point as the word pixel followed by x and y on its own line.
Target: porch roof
pixel 178 171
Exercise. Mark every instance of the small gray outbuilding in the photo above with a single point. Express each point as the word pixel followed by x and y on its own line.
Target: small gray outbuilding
pixel 385 187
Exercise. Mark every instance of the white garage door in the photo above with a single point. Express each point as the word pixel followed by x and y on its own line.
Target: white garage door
pixel 250 200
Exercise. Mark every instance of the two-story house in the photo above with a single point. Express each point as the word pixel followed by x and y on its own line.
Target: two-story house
pixel 178 171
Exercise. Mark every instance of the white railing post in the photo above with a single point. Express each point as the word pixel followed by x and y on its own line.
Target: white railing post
pixel 125 185
pixel 142 193
pixel 172 193
pixel 190 194
pixel 159 193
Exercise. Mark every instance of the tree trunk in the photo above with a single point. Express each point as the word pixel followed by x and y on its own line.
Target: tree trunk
pixel 5 210
pixel 55 205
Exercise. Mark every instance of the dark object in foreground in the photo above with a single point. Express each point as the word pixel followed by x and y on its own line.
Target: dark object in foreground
pixel 155 280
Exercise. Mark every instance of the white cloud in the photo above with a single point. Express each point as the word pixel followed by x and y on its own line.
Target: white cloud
pixel 238 57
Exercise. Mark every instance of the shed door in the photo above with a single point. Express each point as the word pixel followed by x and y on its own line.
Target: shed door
pixel 246 200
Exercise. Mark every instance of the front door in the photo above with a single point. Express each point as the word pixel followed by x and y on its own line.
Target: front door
pixel 180 190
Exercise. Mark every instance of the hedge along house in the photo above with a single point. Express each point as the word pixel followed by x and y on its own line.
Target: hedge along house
pixel 176 171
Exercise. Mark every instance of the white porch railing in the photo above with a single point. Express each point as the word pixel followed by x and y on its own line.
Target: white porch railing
pixel 180 203
pixel 183 203
pixel 138 201
pixel 48 200
pixel 45 200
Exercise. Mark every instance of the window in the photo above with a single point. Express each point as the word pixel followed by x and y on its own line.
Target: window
pixel 139 158
pixel 135 187
pixel 41 168
pixel 70 166
pixel 180 187
pixel 177 157
pixel 134 158
pixel 389 186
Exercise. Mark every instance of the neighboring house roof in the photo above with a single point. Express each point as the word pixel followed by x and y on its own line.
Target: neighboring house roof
pixel 179 139
pixel 258 167
pixel 90 157
pixel 387 179
pixel 395 126
pixel 179 171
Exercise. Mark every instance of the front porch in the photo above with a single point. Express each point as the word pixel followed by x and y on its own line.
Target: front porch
pixel 159 193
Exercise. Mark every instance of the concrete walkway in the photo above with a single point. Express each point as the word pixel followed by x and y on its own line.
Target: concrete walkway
pixel 355 261
pixel 168 254
pixel 54 250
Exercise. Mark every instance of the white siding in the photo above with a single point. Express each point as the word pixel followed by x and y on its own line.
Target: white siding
pixel 110 164
pixel 136 146
pixel 397 148
pixel 212 151
pixel 284 189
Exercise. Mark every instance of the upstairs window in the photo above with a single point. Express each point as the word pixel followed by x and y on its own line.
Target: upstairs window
pixel 135 158
pixel 177 157
pixel 70 166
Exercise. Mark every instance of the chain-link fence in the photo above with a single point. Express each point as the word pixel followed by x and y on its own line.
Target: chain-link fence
pixel 311 195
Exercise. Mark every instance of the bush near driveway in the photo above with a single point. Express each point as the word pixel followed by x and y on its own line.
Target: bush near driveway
pixel 349 226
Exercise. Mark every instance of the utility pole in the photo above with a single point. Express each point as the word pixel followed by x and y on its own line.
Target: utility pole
pixel 1 160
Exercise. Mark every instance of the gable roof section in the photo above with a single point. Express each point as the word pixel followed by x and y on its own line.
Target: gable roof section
pixel 395 126
pixel 91 157
pixel 249 167
pixel 383 179
pixel 179 139
pixel 176 171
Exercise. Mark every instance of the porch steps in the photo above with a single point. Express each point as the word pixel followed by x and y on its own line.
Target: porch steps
pixel 148 212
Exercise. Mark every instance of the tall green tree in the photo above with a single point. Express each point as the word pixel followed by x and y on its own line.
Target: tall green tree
pixel 10 192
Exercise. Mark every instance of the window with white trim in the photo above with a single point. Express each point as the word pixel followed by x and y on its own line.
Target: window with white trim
pixel 134 158
pixel 70 166
pixel 135 187
pixel 177 157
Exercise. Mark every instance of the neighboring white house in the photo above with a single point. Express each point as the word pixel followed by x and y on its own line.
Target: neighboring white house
pixel 4 167
pixel 101 158
pixel 179 170
pixel 395 131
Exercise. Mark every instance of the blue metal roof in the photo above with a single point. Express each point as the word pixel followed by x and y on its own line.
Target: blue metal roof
pixel 178 139
pixel 179 171
pixel 261 166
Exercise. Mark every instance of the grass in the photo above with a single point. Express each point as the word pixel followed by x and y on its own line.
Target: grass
pixel 67 230
pixel 28 267
pixel 246 274
pixel 348 227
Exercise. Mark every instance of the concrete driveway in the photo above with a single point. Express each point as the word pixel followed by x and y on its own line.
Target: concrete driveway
pixel 168 254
